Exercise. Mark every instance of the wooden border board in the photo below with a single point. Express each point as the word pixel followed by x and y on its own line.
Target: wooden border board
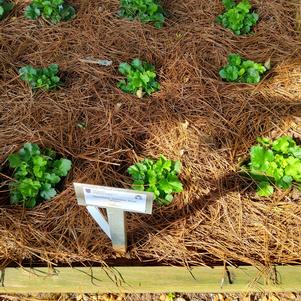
pixel 149 279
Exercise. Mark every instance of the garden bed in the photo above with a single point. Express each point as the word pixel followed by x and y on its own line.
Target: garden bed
pixel 196 117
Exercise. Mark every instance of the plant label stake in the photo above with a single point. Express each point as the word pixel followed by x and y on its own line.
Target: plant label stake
pixel 116 201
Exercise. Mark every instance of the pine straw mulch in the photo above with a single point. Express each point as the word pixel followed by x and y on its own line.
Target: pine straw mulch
pixel 206 123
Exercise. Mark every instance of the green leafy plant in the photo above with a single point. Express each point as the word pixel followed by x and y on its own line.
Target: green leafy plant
pixel 276 163
pixel 5 8
pixel 140 78
pixel 36 174
pixel 45 78
pixel 144 10
pixel 159 177
pixel 240 70
pixel 238 17
pixel 170 297
pixel 54 11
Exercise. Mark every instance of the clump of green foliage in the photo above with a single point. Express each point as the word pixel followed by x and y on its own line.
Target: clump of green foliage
pixel 159 177
pixel 44 78
pixel 242 71
pixel 36 174
pixel 5 8
pixel 54 11
pixel 140 78
pixel 170 297
pixel 276 163
pixel 144 10
pixel 238 17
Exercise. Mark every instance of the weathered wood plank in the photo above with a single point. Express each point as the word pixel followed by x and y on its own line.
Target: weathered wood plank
pixel 147 279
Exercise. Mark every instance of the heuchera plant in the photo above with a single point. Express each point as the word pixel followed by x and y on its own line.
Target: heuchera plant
pixel 274 162
pixel 44 78
pixel 159 177
pixel 144 10
pixel 52 10
pixel 242 71
pixel 238 17
pixel 36 174
pixel 140 78
pixel 5 8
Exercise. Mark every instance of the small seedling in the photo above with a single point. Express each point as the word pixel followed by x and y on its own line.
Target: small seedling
pixel 238 17
pixel 54 11
pixel 159 177
pixel 140 78
pixel 5 8
pixel 276 163
pixel 242 71
pixel 144 10
pixel 36 174
pixel 170 296
pixel 44 78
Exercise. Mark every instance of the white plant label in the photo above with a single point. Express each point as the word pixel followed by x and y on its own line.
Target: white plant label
pixel 109 198
pixel 116 201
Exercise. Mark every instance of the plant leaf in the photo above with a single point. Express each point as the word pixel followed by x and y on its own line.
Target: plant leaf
pixel 47 192
pixel 61 167
pixel 265 189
